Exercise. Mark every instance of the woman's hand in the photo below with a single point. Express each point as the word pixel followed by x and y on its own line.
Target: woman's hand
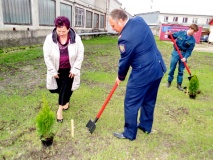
pixel 56 76
pixel 71 75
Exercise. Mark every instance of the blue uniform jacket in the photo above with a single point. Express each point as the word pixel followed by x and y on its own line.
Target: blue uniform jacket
pixel 184 43
pixel 138 50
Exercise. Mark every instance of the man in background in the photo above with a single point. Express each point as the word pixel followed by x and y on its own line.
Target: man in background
pixel 186 43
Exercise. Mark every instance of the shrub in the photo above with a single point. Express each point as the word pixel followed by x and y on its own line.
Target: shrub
pixel 45 120
pixel 193 85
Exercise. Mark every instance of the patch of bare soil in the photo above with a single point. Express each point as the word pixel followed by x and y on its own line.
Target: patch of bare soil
pixel 24 76
pixel 204 47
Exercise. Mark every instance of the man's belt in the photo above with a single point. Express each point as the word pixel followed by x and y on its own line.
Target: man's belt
pixel 180 50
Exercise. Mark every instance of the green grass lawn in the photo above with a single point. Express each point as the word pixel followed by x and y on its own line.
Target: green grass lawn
pixel 182 129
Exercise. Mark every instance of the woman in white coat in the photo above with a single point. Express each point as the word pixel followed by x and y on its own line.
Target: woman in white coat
pixel 63 55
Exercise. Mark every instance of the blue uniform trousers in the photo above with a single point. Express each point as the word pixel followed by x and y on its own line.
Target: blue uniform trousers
pixel 174 60
pixel 143 98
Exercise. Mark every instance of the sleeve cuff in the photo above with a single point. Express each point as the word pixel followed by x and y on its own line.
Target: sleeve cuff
pixel 122 78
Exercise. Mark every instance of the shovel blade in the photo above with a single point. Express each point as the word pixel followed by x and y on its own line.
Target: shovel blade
pixel 91 126
pixel 190 78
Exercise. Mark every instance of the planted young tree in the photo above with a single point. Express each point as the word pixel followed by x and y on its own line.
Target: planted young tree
pixel 193 87
pixel 44 124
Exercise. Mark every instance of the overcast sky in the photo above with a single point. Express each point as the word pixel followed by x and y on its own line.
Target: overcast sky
pixel 203 7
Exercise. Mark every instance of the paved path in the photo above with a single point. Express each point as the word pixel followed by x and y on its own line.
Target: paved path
pixel 204 47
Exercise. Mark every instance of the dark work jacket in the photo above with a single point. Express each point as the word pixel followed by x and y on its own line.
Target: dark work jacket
pixel 185 43
pixel 138 49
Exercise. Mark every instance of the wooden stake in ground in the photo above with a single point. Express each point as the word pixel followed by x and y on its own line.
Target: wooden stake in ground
pixel 72 128
pixel 186 90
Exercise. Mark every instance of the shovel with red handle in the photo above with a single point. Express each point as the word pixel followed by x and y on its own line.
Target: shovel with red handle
pixel 176 47
pixel 91 124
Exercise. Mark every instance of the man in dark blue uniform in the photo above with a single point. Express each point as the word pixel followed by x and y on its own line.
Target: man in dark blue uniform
pixel 138 50
pixel 185 42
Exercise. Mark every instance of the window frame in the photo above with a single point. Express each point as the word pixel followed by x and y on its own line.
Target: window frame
pixel 90 19
pixel 21 15
pixel 166 18
pixel 66 15
pixel 195 20
pixel 81 16
pixel 102 21
pixel 175 19
pixel 185 19
pixel 96 20
pixel 46 15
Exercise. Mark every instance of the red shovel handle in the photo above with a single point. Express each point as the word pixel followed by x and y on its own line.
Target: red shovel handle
pixel 107 100
pixel 176 47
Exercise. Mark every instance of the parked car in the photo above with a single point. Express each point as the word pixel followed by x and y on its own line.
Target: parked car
pixel 204 38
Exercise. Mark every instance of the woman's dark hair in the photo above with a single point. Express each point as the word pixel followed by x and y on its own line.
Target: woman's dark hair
pixel 62 21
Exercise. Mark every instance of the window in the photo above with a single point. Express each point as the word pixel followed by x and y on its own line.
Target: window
pixel 66 10
pixel 88 19
pixel 185 20
pixel 207 21
pixel 46 12
pixel 101 21
pixel 96 21
pixel 79 17
pixel 175 19
pixel 166 19
pixel 194 20
pixel 16 11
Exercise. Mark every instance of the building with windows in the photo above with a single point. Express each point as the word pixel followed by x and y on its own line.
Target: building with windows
pixel 157 18
pixel 25 22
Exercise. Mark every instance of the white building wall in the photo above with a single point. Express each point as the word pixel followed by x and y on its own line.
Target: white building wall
pixel 201 19
pixel 87 3
pixel 101 5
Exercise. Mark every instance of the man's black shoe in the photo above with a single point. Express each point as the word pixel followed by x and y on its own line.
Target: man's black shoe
pixel 179 87
pixel 143 130
pixel 168 84
pixel 119 135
